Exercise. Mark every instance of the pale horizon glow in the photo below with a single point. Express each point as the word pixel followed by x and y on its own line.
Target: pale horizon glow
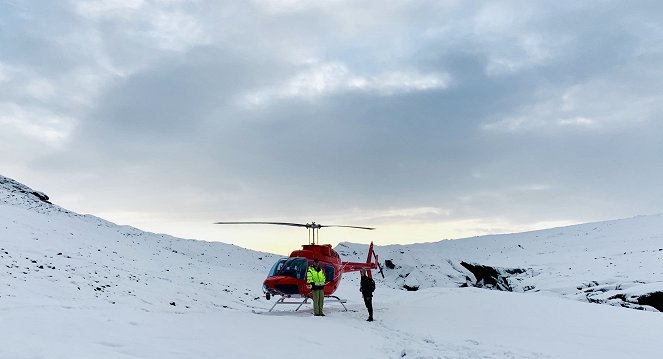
pixel 283 240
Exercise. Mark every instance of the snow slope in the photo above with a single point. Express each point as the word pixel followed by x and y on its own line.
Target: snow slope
pixel 51 253
pixel 74 286
pixel 614 262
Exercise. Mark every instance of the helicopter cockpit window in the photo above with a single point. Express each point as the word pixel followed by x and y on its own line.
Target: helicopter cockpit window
pixel 277 266
pixel 295 267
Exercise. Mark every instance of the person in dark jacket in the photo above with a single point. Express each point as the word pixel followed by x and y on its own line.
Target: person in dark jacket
pixel 366 288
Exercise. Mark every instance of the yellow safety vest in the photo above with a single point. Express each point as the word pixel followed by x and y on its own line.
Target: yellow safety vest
pixel 315 277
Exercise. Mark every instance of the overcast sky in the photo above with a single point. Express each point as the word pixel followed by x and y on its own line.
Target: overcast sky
pixel 426 119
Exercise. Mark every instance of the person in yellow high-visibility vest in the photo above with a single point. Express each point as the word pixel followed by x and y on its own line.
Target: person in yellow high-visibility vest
pixel 315 277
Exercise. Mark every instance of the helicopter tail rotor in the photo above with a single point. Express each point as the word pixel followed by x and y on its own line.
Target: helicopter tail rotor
pixel 377 261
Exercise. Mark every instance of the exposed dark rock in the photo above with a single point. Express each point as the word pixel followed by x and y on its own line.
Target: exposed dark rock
pixel 653 300
pixel 620 296
pixel 411 288
pixel 483 274
pixel 490 277
pixel 514 270
pixel 172 303
pixel 42 196
pixel 389 264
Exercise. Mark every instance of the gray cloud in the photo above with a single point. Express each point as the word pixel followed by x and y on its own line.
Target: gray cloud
pixel 529 112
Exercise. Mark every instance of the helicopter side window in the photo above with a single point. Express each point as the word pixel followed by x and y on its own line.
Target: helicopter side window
pixel 329 273
pixel 277 266
pixel 294 267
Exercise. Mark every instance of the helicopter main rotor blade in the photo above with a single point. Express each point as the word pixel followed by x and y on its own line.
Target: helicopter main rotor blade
pixel 337 225
pixel 307 225
pixel 275 223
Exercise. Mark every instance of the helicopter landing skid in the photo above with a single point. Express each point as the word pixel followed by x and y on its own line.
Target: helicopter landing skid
pixel 329 299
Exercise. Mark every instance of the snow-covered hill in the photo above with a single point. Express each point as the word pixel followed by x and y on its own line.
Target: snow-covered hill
pixel 77 286
pixel 71 259
pixel 614 262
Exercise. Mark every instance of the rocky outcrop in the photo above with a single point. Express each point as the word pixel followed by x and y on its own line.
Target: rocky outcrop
pixel 41 195
pixel 634 295
pixel 13 192
pixel 491 277
pixel 653 300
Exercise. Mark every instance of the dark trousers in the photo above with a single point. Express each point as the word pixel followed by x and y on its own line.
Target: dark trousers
pixel 369 305
pixel 318 301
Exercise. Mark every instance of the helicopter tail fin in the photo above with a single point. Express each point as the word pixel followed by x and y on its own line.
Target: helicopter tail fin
pixel 371 255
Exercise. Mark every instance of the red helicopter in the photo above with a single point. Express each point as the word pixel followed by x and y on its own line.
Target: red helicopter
pixel 287 277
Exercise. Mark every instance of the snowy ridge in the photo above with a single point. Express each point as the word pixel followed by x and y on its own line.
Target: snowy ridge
pixel 67 257
pixel 76 286
pixel 614 262
pixel 18 194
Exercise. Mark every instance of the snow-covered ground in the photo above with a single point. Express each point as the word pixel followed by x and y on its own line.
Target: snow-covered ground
pixel 74 286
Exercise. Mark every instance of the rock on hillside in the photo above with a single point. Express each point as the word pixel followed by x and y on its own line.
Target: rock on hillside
pixel 18 194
